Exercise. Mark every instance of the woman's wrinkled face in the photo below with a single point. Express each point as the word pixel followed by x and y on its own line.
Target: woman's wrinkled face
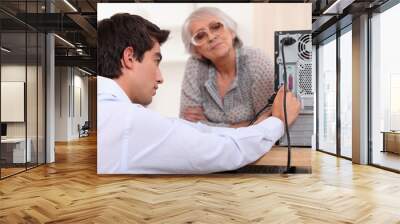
pixel 211 38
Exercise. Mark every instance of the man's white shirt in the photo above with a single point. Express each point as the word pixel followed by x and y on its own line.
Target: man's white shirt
pixel 132 139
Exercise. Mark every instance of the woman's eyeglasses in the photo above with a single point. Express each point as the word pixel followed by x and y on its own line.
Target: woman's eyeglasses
pixel 201 37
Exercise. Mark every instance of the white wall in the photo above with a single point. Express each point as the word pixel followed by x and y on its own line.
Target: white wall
pixel 80 110
pixel 269 18
pixel 17 73
pixel 33 126
pixel 14 72
pixel 61 103
pixel 256 26
pixel 71 93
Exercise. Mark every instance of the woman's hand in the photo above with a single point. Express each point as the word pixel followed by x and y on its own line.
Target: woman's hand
pixel 194 114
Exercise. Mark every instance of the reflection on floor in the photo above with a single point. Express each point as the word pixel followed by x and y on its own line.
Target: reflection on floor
pixel 8 169
pixel 387 159
pixel 346 152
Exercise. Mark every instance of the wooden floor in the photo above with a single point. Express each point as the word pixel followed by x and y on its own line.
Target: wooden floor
pixel 70 191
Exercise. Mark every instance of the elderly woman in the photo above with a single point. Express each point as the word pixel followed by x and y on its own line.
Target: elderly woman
pixel 225 84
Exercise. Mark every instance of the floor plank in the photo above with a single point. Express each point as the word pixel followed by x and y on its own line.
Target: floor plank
pixel 70 191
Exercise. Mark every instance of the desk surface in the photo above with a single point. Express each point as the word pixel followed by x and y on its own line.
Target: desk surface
pixel 277 156
pixel 391 132
pixel 13 140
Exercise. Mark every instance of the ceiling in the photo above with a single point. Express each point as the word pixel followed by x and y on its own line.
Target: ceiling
pixel 76 23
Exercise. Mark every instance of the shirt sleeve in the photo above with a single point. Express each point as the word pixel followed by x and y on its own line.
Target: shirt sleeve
pixel 263 81
pixel 158 145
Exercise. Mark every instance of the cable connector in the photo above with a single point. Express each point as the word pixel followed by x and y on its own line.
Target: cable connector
pixel 288 41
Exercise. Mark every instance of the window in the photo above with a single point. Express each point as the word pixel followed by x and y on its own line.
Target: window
pixel 385 89
pixel 346 93
pixel 327 96
pixel 22 76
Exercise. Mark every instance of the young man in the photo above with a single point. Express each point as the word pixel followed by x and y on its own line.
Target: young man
pixel 135 140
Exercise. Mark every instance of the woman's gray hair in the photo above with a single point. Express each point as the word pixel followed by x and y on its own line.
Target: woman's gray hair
pixel 199 14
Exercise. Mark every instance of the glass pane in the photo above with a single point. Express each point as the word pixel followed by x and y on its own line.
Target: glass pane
pixel 13 87
pixel 41 98
pixel 385 86
pixel 32 85
pixel 346 94
pixel 327 96
pixel 31 98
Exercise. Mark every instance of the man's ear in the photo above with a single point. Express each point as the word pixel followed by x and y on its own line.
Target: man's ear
pixel 128 58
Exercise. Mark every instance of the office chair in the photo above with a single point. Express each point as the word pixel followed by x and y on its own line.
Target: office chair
pixel 84 130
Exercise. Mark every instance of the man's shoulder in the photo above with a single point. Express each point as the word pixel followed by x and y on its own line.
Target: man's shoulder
pixel 114 103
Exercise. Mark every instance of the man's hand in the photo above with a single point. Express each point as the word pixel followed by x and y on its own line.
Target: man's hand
pixel 292 106
pixel 194 114
pixel 263 116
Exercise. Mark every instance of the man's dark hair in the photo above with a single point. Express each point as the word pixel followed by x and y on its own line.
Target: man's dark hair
pixel 122 31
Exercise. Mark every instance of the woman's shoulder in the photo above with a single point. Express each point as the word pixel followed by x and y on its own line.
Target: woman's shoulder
pixel 255 58
pixel 195 70
pixel 253 53
pixel 195 62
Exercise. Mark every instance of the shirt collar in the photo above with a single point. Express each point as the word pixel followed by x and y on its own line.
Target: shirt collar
pixel 109 87
pixel 212 72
